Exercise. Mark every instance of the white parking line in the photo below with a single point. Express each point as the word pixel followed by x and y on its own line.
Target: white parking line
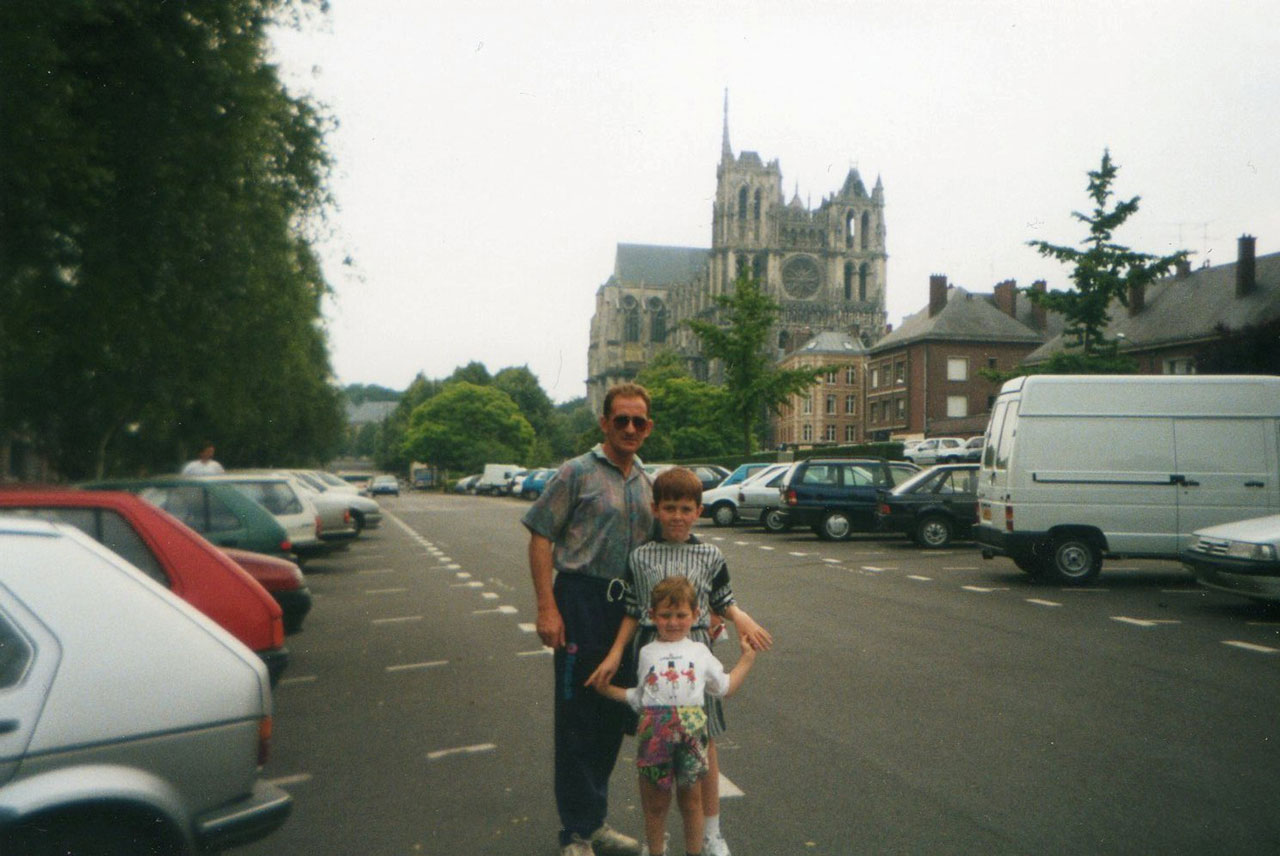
pixel 430 664
pixel 1249 646
pixel 462 575
pixel 541 652
pixel 1038 602
pixel 1143 622
pixel 728 788
pixel 377 571
pixel 397 620
pixel 296 779
pixel 504 610
pixel 874 569
pixel 920 578
pixel 833 561
pixel 527 627
pixel 983 589
pixel 472 584
pixel 800 555
pixel 765 547
pixel 386 591
pixel 299 679
pixel 461 750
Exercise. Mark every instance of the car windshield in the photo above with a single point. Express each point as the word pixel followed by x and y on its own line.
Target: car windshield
pixel 915 483
pixel 276 497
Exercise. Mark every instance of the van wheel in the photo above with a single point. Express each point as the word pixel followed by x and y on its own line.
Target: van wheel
pixel 774 521
pixel 724 514
pixel 1075 560
pixel 933 531
pixel 836 526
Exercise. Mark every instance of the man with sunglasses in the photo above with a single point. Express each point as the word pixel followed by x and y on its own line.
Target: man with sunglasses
pixel 591 515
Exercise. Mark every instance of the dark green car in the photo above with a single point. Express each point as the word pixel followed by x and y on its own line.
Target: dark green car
pixel 216 510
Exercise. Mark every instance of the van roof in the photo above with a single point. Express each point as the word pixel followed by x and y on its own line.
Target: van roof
pixel 1147 395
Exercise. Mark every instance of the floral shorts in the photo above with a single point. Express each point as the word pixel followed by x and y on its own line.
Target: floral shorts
pixel 671 745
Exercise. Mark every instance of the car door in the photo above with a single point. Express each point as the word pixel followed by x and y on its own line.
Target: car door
pixel 860 483
pixel 29 655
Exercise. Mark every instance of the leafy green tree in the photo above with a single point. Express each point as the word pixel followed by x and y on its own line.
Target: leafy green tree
pixel 755 385
pixel 1253 349
pixel 1102 271
pixel 466 425
pixel 691 419
pixel 158 194
pixel 472 372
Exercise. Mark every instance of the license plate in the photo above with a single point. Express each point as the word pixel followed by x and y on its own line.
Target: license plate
pixel 986 512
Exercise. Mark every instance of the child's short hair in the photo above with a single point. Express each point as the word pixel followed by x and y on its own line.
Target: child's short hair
pixel 675 590
pixel 677 483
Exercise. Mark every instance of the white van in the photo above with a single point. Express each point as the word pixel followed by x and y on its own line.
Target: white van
pixel 1078 466
pixel 495 477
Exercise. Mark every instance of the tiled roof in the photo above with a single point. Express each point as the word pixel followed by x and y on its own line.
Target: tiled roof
pixel 1190 308
pixel 653 265
pixel 832 342
pixel 966 317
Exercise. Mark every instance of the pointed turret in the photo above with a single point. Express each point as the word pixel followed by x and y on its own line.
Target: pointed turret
pixel 877 193
pixel 726 152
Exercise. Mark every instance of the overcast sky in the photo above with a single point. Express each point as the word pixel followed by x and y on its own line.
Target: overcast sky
pixel 491 155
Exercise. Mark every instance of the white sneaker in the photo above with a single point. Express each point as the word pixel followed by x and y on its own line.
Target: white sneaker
pixel 577 846
pixel 715 846
pixel 608 841
pixel 666 839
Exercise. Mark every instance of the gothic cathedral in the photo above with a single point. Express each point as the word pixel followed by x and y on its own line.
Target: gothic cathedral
pixel 825 267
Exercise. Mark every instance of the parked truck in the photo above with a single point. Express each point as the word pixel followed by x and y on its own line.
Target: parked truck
pixel 495 478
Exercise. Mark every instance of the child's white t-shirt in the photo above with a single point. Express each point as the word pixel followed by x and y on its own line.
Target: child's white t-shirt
pixel 677 674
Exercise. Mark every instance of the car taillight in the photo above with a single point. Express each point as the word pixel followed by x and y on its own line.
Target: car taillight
pixel 346 516
pixel 883 508
pixel 1008 518
pixel 790 497
pixel 319 526
pixel 286 546
pixel 277 632
pixel 264 740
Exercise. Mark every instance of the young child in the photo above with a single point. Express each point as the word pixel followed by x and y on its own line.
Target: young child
pixel 676 675
pixel 677 498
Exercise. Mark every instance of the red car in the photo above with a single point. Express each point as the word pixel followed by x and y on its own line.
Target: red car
pixel 282 579
pixel 170 552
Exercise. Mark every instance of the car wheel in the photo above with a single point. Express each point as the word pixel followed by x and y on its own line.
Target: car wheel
pixel 534 494
pixel 934 531
pixel 724 514
pixel 1075 560
pixel 774 520
pixel 835 526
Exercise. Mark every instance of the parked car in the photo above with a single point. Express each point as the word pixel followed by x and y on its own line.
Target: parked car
pixel 535 483
pixel 384 484
pixel 928 452
pixel 516 483
pixel 709 474
pixel 466 484
pixel 132 723
pixel 743 472
pixel 337 526
pixel 218 511
pixel 721 502
pixel 758 497
pixel 934 506
pixel 170 553
pixel 969 453
pixel 837 496
pixel 282 579
pixel 358 479
pixel 1241 558
pixel 365 511
pixel 295 512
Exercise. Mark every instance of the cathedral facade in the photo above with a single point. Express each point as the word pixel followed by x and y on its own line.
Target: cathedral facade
pixel 824 266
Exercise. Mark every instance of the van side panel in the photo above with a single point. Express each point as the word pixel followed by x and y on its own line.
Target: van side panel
pixel 1228 469
pixel 1112 474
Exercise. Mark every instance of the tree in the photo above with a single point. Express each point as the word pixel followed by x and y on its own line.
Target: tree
pixel 1103 271
pixel 691 419
pixel 465 426
pixel 754 383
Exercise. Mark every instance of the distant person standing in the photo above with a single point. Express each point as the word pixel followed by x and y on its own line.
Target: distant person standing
pixel 204 465
pixel 596 510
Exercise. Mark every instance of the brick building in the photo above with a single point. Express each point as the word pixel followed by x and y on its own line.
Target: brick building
pixel 832 410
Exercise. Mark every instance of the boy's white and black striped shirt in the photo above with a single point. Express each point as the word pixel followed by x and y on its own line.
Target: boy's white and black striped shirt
pixel 703 564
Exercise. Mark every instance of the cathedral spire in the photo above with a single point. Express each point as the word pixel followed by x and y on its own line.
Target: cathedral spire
pixel 726 153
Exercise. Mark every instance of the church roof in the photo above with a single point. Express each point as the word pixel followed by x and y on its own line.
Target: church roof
pixel 1190 308
pixel 655 265
pixel 966 317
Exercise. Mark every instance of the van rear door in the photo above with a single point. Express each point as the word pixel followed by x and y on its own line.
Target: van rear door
pixel 1227 470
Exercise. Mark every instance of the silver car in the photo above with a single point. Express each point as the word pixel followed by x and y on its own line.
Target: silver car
pixel 121 736
pixel 1242 557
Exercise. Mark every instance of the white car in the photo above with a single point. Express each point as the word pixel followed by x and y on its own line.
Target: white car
pixel 759 497
pixel 132 723
pixel 365 511
pixel 293 511
pixel 1241 558
pixel 928 452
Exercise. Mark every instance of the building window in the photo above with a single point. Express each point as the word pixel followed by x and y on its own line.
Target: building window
pixel 742 202
pixel 830 433
pixel 833 376
pixel 850 434
pixel 1180 365
pixel 808 403
pixel 991 362
pixel 875 378
pixel 866 228
pixel 850 405
pixel 957 368
pixel 850 375
pixel 957 406
pixel 831 405
pixel 900 373
pixel 755 212
pixel 631 323
pixel 875 412
pixel 902 408
pixel 806 433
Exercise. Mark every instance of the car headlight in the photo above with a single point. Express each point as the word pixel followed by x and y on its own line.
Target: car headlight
pixel 1252 552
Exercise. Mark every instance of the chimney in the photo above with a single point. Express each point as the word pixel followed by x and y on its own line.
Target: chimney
pixel 1137 298
pixel 937 294
pixel 1039 316
pixel 1246 270
pixel 1184 269
pixel 1007 297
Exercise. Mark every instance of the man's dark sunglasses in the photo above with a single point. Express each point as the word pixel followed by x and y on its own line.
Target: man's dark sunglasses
pixel 637 422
